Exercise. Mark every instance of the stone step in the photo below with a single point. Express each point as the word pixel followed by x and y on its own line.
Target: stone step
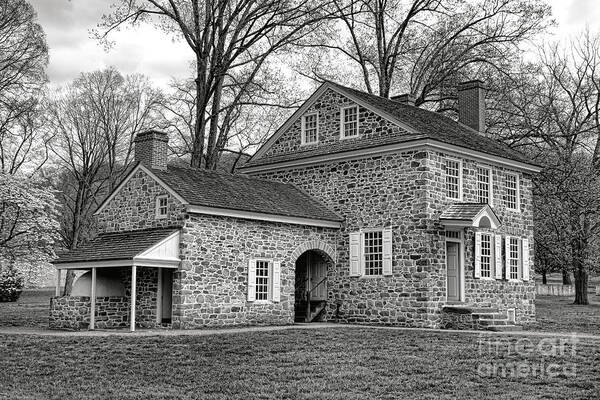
pixel 504 328
pixel 462 309
pixel 492 322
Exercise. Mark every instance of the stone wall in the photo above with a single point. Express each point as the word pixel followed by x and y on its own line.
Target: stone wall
pixel 404 191
pixel 134 207
pixel 211 287
pixel 73 312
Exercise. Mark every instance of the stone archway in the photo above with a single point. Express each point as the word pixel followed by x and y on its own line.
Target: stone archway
pixel 314 245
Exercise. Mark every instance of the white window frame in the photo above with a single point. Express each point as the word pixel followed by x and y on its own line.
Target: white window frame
pixel 517 192
pixel 342 130
pixel 490 183
pixel 269 280
pixel 509 258
pixel 303 128
pixel 460 178
pixel 363 254
pixel 158 207
pixel 492 258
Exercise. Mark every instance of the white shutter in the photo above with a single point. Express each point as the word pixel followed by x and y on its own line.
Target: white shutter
pixel 498 256
pixel 276 281
pixel 477 254
pixel 387 251
pixel 251 280
pixel 525 259
pixel 507 255
pixel 355 254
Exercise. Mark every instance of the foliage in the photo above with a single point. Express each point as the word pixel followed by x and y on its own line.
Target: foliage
pixel 23 59
pixel 232 42
pixel 28 224
pixel 11 283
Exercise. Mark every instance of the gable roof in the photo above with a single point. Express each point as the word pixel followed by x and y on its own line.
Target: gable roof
pixel 416 123
pixel 243 193
pixel 116 246
pixel 469 214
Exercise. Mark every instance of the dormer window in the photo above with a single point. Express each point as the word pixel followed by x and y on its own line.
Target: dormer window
pixel 310 128
pixel 349 122
pixel 161 207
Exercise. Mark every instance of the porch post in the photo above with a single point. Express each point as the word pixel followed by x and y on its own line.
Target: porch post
pixel 159 297
pixel 93 301
pixel 58 273
pixel 133 295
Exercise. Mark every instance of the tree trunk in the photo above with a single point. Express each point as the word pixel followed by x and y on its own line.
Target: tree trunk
pixel 544 278
pixel 566 277
pixel 581 286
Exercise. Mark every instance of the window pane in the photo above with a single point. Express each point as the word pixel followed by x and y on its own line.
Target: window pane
pixel 452 171
pixel 350 121
pixel 511 191
pixel 373 253
pixel 262 280
pixel 483 185
pixel 514 258
pixel 486 256
pixel 310 128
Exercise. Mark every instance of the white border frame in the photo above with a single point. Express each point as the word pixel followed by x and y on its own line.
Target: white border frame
pixel 157 214
pixel 460 178
pixel 342 109
pixel 303 141
pixel 490 180
pixel 461 264
pixel 518 192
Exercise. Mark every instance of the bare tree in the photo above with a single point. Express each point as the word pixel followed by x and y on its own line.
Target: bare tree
pixel 231 42
pixel 23 59
pixel 95 120
pixel 423 46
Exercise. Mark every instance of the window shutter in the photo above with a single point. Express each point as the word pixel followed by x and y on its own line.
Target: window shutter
pixel 507 256
pixel 355 254
pixel 477 254
pixel 276 281
pixel 252 280
pixel 387 251
pixel 498 256
pixel 525 259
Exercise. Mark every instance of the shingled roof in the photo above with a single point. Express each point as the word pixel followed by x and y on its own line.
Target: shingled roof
pixel 243 193
pixel 424 124
pixel 116 246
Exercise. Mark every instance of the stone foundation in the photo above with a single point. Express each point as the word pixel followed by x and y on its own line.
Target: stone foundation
pixel 74 312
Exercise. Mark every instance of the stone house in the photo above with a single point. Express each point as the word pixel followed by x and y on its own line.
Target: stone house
pixel 358 209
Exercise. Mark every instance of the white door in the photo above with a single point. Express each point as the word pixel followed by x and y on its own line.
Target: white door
pixel 452 260
pixel 318 272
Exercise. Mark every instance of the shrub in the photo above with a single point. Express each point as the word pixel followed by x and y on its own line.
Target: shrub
pixel 11 284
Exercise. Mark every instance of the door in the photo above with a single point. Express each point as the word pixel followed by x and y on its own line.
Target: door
pixel 167 295
pixel 453 270
pixel 318 272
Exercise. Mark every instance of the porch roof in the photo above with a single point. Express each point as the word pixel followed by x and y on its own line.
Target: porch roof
pixel 148 247
pixel 470 214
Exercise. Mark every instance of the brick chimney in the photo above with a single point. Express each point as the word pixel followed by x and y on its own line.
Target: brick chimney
pixel 406 98
pixel 151 149
pixel 471 104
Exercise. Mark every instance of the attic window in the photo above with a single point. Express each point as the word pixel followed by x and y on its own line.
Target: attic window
pixel 349 122
pixel 310 128
pixel 161 207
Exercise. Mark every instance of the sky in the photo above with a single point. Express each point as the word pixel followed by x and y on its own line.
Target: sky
pixel 146 50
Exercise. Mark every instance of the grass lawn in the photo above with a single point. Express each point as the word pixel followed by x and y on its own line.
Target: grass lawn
pixel 31 310
pixel 559 314
pixel 335 363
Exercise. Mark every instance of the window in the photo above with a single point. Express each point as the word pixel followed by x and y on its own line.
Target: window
pixel 310 129
pixel 484 185
pixel 513 257
pixel 349 122
pixel 452 170
pixel 161 207
pixel 262 280
pixel 373 253
pixel 511 197
pixel 486 255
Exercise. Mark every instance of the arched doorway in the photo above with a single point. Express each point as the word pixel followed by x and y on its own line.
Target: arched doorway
pixel 311 285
